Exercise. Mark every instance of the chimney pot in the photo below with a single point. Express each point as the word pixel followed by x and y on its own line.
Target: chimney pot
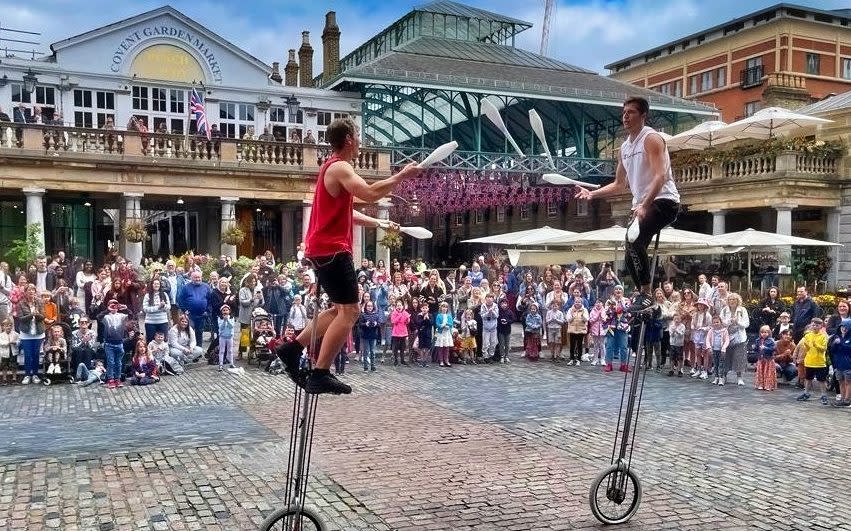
pixel 305 60
pixel 330 47
pixel 276 72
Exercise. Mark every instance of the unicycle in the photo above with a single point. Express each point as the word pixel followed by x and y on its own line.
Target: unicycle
pixel 615 493
pixel 295 516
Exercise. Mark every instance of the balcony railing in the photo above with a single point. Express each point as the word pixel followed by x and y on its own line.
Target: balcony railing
pixel 757 166
pixel 751 77
pixel 156 148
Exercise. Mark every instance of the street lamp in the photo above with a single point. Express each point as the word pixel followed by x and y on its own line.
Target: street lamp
pixel 30 81
pixel 292 106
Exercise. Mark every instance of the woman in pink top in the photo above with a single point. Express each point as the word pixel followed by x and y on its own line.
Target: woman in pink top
pixel 399 320
pixel 597 332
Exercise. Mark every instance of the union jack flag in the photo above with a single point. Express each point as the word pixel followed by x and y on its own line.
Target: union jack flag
pixel 196 107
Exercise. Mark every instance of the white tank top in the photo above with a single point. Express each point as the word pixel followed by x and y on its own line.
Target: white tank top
pixel 639 173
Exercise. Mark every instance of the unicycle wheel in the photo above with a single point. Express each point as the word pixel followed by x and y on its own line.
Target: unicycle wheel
pixel 288 519
pixel 615 495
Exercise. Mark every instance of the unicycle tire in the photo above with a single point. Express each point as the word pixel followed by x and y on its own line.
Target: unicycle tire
pixel 286 519
pixel 615 495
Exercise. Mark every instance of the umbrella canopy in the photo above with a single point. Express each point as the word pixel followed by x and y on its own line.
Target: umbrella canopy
pixel 757 239
pixel 542 257
pixel 768 123
pixel 751 239
pixel 614 237
pixel 699 137
pixel 523 237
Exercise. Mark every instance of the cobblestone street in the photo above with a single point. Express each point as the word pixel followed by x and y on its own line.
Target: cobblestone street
pixel 488 447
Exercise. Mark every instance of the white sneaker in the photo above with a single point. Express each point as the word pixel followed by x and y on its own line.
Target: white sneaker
pixel 740 382
pixel 760 388
pixel 703 375
pixel 36 379
pixel 694 372
pixel 715 381
pixel 523 355
pixel 594 361
pixel 721 381
pixel 577 363
pixel 49 369
pixel 25 381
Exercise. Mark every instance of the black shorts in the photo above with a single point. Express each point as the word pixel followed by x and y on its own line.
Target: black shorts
pixel 816 373
pixel 336 276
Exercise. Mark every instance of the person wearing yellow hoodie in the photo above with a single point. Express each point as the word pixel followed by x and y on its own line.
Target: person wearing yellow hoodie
pixel 815 360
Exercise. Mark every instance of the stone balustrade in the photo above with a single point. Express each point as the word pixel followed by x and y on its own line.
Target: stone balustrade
pixel 786 80
pixel 156 148
pixel 757 166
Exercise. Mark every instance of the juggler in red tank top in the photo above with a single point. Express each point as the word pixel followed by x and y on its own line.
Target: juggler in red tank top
pixel 330 229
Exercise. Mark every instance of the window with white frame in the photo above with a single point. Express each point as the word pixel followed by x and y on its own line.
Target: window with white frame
pixel 552 209
pixel 706 80
pixel 500 214
pixel 692 85
pixel 678 88
pixel 323 118
pixel 846 68
pixel 479 216
pixel 162 109
pixel 93 107
pixel 582 208
pixel 524 212
pixel 235 119
pixel 721 75
pixel 459 219
pixel 751 107
pixel 43 97
pixel 813 63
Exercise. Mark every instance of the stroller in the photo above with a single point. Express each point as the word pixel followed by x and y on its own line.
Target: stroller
pixel 262 332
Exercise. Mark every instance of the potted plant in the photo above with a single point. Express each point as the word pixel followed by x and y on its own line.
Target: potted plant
pixel 233 235
pixel 392 240
pixel 134 230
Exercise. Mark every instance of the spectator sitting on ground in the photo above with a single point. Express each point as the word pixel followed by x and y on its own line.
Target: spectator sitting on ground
pixel 86 376
pixel 143 366
pixel 181 342
pixel 158 348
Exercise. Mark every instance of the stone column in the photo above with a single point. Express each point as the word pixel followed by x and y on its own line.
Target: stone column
pixel 382 252
pixel 784 226
pixel 832 235
pixel 228 218
pixel 718 222
pixel 357 244
pixel 306 208
pixel 35 212
pixel 132 210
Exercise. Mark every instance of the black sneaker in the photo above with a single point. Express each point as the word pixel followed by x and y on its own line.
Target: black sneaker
pixel 641 303
pixel 321 382
pixel 290 354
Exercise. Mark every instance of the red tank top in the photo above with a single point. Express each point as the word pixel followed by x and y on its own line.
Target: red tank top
pixel 330 229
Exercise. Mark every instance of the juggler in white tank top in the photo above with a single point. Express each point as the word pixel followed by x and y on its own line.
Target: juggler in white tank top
pixel 639 174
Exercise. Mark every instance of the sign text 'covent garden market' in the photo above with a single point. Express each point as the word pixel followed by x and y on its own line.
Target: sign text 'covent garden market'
pixel 132 40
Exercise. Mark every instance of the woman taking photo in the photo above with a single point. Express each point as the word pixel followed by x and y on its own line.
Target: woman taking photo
pixel 156 307
pixel 31 334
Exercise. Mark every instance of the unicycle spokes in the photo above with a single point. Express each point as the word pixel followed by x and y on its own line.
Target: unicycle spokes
pixel 288 519
pixel 615 495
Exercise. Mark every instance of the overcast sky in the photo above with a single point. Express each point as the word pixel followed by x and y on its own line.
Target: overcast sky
pixel 586 33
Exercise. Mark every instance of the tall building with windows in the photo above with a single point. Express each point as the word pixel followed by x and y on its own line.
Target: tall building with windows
pixel 785 55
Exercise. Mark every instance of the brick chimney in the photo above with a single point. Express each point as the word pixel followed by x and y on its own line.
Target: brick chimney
pixel 305 61
pixel 276 72
pixel 330 47
pixel 291 71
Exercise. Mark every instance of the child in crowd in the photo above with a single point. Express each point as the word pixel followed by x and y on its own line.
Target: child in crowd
pixel 113 323
pixel 784 356
pixel 554 321
pixel 298 315
pixel 766 372
pixel 370 330
pixel 158 347
pixel 577 328
pixel 342 357
pixel 840 356
pixel 399 320
pixel 503 330
pixel 87 377
pixel 532 326
pixel 815 360
pixel 55 349
pixel 677 334
pixel 424 328
pixel 443 342
pixel 75 313
pixel 83 343
pixel 143 366
pixel 226 326
pixel 597 331
pixel 51 310
pixel 701 323
pixel 8 351
pixel 468 337
pixel 782 324
pixel 489 313
pixel 717 341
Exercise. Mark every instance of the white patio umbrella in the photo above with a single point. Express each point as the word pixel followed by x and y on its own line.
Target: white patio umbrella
pixel 768 123
pixel 522 237
pixel 540 257
pixel 614 237
pixel 700 136
pixel 751 240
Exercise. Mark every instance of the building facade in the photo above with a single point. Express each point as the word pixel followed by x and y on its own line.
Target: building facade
pixel 74 163
pixel 784 55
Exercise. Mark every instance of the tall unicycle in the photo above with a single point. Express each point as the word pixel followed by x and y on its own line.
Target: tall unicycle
pixel 615 493
pixel 295 516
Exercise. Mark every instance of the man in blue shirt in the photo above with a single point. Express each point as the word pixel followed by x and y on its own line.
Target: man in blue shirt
pixel 193 300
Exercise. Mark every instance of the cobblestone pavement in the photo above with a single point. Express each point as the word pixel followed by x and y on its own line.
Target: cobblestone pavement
pixel 492 447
